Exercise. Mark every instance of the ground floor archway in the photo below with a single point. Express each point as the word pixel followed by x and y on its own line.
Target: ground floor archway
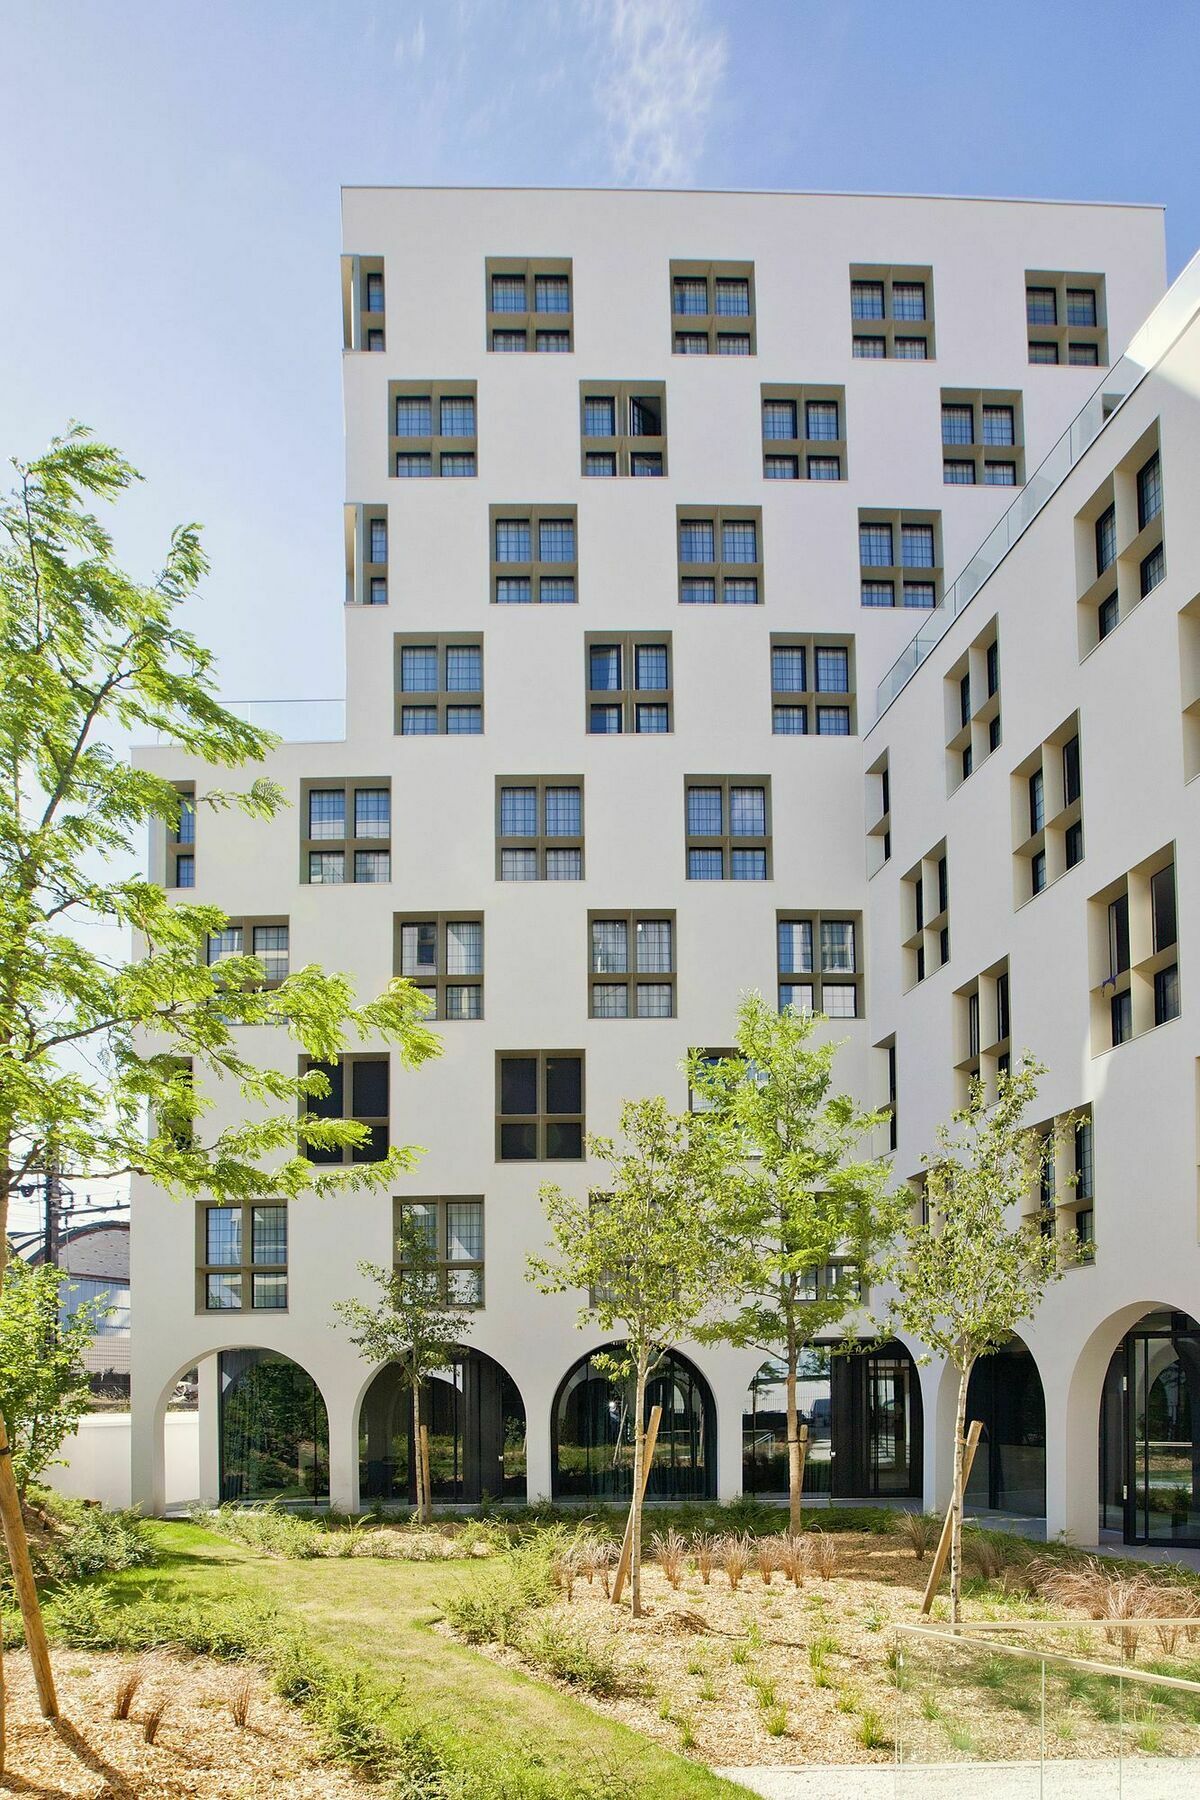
pixel 476 1422
pixel 1005 1395
pixel 273 1429
pixel 865 1429
pixel 1150 1433
pixel 592 1433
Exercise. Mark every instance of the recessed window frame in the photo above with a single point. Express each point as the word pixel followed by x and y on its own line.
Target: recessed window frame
pixel 811 698
pixel 1113 518
pixel 800 447
pixel 983 1030
pixel 442 698
pixel 247 1267
pixel 624 445
pixel 628 697
pixel 984 457
pixel 897 334
pixel 727 841
pixel 447 1266
pixel 712 324
pixel 542 1118
pixel 1041 853
pixel 364 303
pixel 899 575
pixel 435 445
pixel 1061 333
pixel 248 926
pixel 1125 965
pixel 530 321
pixel 436 983
pixel 541 841
pixel 349 844
pixel 719 571
pixel 536 570
pixel 819 979
pixel 345 1154
pixel 971 690
pixel 925 916
pixel 632 977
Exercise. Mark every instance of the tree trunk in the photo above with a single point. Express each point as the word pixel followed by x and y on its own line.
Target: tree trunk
pixel 956 1520
pixel 15 1541
pixel 639 1453
pixel 793 1440
pixel 417 1457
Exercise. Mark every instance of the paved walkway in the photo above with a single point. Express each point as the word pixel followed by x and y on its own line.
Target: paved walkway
pixel 1138 1778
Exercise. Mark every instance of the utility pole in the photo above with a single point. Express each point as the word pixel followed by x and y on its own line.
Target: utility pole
pixel 53 1199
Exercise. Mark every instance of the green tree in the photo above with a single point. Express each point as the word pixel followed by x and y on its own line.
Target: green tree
pixel 811 1221
pixel 93 1047
pixel 976 1267
pixel 416 1324
pixel 645 1249
pixel 42 1376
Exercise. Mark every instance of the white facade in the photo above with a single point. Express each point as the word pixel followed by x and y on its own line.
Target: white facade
pixel 432 250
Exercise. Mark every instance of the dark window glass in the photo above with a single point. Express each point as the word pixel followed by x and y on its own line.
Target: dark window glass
pixel 1073 843
pixel 564 1084
pixel 369 1087
pixel 1152 570
pixel 1162 907
pixel 518 1084
pixel 1106 539
pixel 1003 1027
pixel 993 668
pixel 1037 872
pixel 1166 994
pixel 1149 491
pixel 943 885
pixel 1118 935
pixel 564 1141
pixel 518 1143
pixel 1071 772
pixel 964 699
pixel 1121 1008
pixel 1108 616
pixel 327 1106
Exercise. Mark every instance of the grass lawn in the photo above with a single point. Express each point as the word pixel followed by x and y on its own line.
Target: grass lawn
pixel 374 1617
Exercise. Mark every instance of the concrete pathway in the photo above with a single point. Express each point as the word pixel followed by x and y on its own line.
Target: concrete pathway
pixel 1137 1778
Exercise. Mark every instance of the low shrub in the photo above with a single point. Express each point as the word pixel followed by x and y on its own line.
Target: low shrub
pixel 347 1718
pixel 582 1662
pixel 84 1540
pixel 269 1530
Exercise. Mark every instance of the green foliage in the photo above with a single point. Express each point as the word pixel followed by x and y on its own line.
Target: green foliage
pixel 43 1383
pixel 347 1717
pixel 86 1540
pixel 490 1608
pixel 558 1649
pixel 89 1045
pixel 269 1530
pixel 975 1268
pixel 646 1250
pixel 811 1218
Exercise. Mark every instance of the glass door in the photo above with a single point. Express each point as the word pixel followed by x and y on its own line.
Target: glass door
pixel 1163 1413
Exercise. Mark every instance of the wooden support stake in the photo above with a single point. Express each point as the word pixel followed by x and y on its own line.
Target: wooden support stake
pixel 426 1475
pixel 17 1545
pixel 618 1586
pixel 970 1445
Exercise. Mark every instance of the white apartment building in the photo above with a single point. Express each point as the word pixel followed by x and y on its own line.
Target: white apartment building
pixel 646 496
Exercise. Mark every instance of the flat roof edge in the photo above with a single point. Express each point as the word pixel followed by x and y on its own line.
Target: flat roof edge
pixel 451 187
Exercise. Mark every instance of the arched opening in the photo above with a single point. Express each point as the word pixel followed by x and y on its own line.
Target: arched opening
pixel 863 1412
pixel 592 1433
pixel 1009 1471
pixel 475 1418
pixel 1150 1433
pixel 274 1430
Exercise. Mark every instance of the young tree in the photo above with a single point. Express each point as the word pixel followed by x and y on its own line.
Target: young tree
pixel 812 1219
pixel 975 1268
pixel 416 1323
pixel 645 1249
pixel 42 1376
pixel 91 1046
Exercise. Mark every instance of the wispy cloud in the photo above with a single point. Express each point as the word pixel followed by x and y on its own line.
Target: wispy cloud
pixel 412 47
pixel 658 82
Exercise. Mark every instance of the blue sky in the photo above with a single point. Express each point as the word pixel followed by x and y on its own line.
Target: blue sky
pixel 171 227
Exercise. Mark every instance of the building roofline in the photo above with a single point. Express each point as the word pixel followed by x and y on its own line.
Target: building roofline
pixel 452 187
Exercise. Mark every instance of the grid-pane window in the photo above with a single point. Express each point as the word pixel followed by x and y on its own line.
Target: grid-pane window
pixel 457 416
pixel 691 295
pixel 779 419
pixel 999 425
pixel 821 420
pixel 1149 491
pixel 654 956
pixel 518 812
pixel 599 417
pixel 697 541
pixel 372 813
pixel 704 812
pixel 327 813
pixel 651 666
pixel 508 293
pixel 464 669
pixel 833 721
pixel 326 868
pixel 1081 306
pixel 958 424
pixel 223 1226
pixel 796 946
pixel 563 812
pixel 733 298
pixel 739 541
pixel 552 294
pixel 866 300
pixel 833 670
pixel 788 673
pixel 556 540
pixel 418 675
pixel 837 947
pixel 875 546
pixel 748 865
pixel 604 667
pixel 414 417
pixel 1041 306
pixel 908 300
pixel 610 947
pixel 747 812
pixel 705 865
pixel 916 546
pixel 513 540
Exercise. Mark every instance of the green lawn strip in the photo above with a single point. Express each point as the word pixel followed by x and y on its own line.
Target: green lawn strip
pixel 374 1617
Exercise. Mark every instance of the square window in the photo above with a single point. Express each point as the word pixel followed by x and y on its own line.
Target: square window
pixel 740 591
pixel 599 417
pixel 654 1000
pixel 600 462
pixel 564 865
pixel 464 721
pixel 1000 474
pixel 733 297
pixel 372 813
pixel 457 417
pixel 958 424
pixel 605 721
pixel 916 546
pixel 999 425
pixel 1085 356
pixel 705 865
pixel 798 996
pixel 414 418
pixel 908 300
pixel 518 865
pixel 749 865
pixel 839 1000
pixel 508 293
pixel 457 464
pixel 833 721
pixel 1041 306
pixel 779 419
pixel 513 590
pixel 558 590
pixel 878 593
pixel 697 541
pixel 327 813
pixel 372 865
pixel 556 540
pixel 418 721
pixel 690 295
pixel 958 474
pixel 833 670
pixel 610 1000
pixel 418 675
pixel 698 591
pixel 514 541
pixel 564 812
pixel 552 294
pixel 651 718
pixel 691 343
pixel 1081 306
pixel 789 721
pixel 919 594
pixel 326 868
pixel 911 349
pixel 733 343
pixel 518 812
pixel 464 669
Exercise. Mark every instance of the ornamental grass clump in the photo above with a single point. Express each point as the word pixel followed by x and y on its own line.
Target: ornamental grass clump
pixel 824 1553
pixel 704 1551
pixel 670 1550
pixel 919 1532
pixel 735 1558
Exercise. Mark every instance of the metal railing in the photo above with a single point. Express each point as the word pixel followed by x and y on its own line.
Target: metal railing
pixel 979 1714
pixel 1173 314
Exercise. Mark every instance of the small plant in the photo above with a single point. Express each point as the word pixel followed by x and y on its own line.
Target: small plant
pixel 708 1688
pixel 664 1708
pixel 565 1653
pixel 126 1690
pixel 929 1708
pixel 824 1555
pixel 670 1550
pixel 687 1737
pixel 982 1556
pixel 153 1717
pixel 240 1701
pixel 919 1532
pixel 871 1734
pixel 776 1721
pixel 754 1636
pixel 764 1692
pixel 695 1665
pixel 704 1549
pixel 819 1651
pixel 793 1558
pixel 767 1557
pixel 961 1739
pixel 740 1654
pixel 735 1558
pixel 874 1619
pixel 847 1700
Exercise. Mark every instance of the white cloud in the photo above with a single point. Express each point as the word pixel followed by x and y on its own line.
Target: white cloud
pixel 657 85
pixel 412 47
